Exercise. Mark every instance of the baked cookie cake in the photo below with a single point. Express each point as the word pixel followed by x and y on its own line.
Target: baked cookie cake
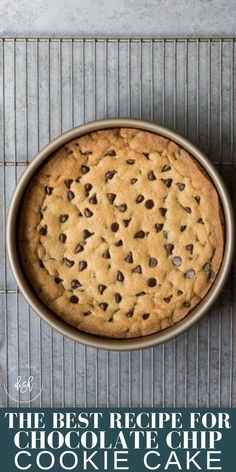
pixel 121 233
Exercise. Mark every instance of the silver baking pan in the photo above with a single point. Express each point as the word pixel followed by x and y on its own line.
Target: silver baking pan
pixel 56 322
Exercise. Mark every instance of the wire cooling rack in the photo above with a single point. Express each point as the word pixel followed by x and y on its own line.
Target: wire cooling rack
pixel 49 85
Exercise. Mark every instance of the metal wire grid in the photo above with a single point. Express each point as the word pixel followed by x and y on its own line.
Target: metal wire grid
pixel 48 86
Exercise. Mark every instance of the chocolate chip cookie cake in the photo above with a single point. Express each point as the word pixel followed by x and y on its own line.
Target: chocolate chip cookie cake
pixel 121 233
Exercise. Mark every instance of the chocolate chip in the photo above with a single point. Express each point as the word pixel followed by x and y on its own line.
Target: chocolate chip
pixel 165 168
pixel 207 267
pixel 198 199
pixel 111 153
pixel 88 213
pixel 137 269
pixel 49 190
pixel 82 265
pixel 120 276
pixel 129 258
pixel 140 294
pixel 212 274
pixel 167 182
pixel 162 211
pixel 87 313
pixel 158 227
pixel 168 299
pixel 103 306
pixel 101 288
pixel 70 195
pixel 146 316
pixel 126 222
pixel 111 197
pixel 58 280
pixel 106 254
pixel 85 169
pixel 187 209
pixel 75 284
pixel 180 186
pixel 43 231
pixel 177 261
pixel 110 174
pixel 139 198
pixel 130 161
pixel 68 262
pixel 78 179
pixel 118 297
pixel 119 243
pixel 62 237
pixel 189 248
pixel 122 208
pixel 186 304
pixel 88 187
pixel 190 274
pixel 68 183
pixel 79 248
pixel 87 234
pixel 152 262
pixel 169 248
pixel 63 218
pixel 200 221
pixel 183 228
pixel 74 299
pixel 93 199
pixel 69 151
pixel 149 204
pixel 146 154
pixel 130 314
pixel 87 153
pixel 179 292
pixel 151 176
pixel 151 282
pixel 139 235
pixel 115 227
pixel 133 181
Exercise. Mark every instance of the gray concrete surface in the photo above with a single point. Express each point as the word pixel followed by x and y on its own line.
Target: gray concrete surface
pixel 129 18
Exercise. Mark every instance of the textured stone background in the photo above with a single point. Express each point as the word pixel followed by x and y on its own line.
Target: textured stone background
pixel 168 18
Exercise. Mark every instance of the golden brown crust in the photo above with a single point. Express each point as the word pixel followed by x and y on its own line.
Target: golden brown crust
pixel 179 216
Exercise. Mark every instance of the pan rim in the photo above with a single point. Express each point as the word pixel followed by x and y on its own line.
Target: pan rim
pixel 52 319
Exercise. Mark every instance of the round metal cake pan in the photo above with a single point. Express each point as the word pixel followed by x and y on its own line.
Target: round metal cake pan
pixel 97 341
